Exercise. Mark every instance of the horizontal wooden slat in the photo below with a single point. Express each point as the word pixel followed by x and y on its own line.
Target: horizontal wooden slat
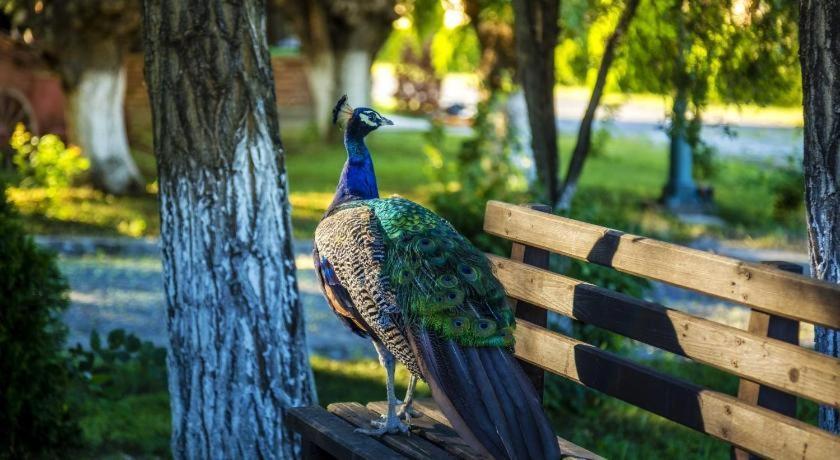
pixel 764 288
pixel 410 446
pixel 753 428
pixel 771 362
pixel 336 436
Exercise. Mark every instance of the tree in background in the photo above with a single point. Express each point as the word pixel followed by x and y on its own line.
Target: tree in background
pixel 237 352
pixel 583 143
pixel 340 40
pixel 819 31
pixel 674 48
pixel 536 23
pixel 84 41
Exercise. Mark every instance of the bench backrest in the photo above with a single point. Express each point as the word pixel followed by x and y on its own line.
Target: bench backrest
pixel 774 295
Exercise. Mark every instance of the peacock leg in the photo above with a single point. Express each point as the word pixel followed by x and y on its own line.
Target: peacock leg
pixel 406 411
pixel 391 423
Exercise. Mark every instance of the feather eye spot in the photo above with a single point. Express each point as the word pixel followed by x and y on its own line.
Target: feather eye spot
pixel 485 328
pixel 467 272
pixel 460 325
pixel 426 245
pixel 447 281
pixel 453 297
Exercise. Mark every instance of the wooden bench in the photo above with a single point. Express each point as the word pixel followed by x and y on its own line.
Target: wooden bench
pixel 773 368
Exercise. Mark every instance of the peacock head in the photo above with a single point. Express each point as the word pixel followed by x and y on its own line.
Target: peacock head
pixel 357 122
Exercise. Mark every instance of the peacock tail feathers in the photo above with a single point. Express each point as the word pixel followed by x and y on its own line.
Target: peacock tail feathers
pixel 441 282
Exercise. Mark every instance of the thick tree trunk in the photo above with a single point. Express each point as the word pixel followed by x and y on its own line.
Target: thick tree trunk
pixel 340 41
pixel 321 78
pixel 353 75
pixel 237 357
pixel 584 137
pixel 819 44
pixel 96 120
pixel 536 28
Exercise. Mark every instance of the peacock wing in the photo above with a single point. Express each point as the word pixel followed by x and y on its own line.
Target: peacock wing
pixel 351 242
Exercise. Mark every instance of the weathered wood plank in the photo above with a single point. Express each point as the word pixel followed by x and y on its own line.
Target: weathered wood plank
pixel 336 436
pixel 439 433
pixel 410 446
pixel 764 288
pixel 786 330
pixel 567 448
pixel 779 365
pixel 529 312
pixel 756 429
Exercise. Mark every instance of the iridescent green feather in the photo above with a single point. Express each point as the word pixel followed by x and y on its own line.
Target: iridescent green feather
pixel 441 281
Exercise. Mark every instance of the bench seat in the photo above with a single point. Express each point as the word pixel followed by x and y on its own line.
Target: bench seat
pixel 329 433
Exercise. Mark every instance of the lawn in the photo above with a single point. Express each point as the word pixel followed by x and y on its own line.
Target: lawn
pixel 621 184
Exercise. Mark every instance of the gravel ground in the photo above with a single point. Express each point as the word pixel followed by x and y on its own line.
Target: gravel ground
pixel 116 284
pixel 110 291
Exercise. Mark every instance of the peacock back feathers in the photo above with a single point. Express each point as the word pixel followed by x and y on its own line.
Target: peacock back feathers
pixel 440 281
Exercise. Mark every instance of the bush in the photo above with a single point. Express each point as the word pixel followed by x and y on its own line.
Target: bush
pixel 33 372
pixel 45 161
pixel 121 390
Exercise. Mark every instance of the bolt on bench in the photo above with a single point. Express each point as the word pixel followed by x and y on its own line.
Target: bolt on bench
pixel 773 368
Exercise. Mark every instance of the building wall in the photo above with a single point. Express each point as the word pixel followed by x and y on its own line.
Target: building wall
pixel 291 87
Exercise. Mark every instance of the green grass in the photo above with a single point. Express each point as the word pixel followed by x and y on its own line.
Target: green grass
pixel 619 185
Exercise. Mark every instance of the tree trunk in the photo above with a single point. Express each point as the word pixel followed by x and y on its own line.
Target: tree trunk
pixel 237 351
pixel 819 44
pixel 96 121
pixel 584 137
pixel 353 75
pixel 321 78
pixel 521 154
pixel 536 28
pixel 340 41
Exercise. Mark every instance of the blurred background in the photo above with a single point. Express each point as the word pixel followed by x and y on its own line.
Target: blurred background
pixel 680 120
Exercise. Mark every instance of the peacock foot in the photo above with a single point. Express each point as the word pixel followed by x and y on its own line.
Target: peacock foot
pixel 389 425
pixel 407 412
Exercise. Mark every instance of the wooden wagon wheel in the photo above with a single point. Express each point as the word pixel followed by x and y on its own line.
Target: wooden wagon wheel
pixel 14 109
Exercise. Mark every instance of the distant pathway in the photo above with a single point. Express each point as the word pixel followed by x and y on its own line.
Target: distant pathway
pixel 116 283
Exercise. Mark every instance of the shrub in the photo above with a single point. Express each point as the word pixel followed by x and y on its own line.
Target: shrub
pixel 45 161
pixel 34 377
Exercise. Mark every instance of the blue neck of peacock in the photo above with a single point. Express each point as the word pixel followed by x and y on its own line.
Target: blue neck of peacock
pixel 358 180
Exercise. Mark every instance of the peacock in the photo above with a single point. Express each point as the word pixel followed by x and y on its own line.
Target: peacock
pixel 401 275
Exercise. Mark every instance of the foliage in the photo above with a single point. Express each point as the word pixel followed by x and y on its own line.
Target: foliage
pixel 418 88
pixel 787 184
pixel 481 171
pixel 120 386
pixel 45 161
pixel 67 30
pixel 34 413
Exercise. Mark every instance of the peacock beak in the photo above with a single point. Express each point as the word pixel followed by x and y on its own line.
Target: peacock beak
pixel 386 122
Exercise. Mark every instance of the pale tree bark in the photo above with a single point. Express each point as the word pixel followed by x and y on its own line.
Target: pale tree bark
pixel 340 40
pixel 819 44
pixel 96 121
pixel 536 26
pixel 583 144
pixel 237 352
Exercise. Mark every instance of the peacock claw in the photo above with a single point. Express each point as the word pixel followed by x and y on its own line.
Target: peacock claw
pixel 407 412
pixel 390 425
